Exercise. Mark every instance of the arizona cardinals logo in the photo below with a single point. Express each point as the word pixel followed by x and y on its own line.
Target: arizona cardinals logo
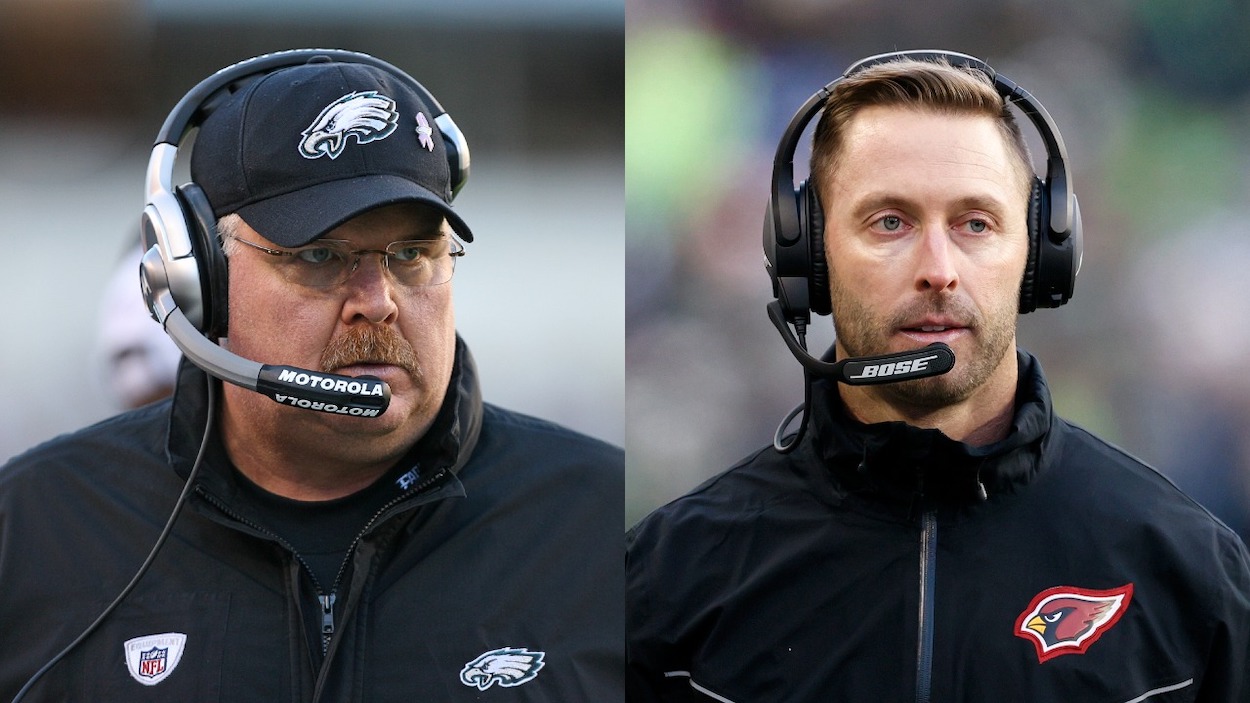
pixel 1066 620
pixel 507 667
pixel 365 116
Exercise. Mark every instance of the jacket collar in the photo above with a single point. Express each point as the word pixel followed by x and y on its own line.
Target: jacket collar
pixel 449 443
pixel 906 465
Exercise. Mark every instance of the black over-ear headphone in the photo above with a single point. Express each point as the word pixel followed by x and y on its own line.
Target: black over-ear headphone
pixel 794 221
pixel 185 260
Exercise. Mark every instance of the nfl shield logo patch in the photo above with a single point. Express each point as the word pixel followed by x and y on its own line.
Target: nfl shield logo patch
pixel 152 658
pixel 152 662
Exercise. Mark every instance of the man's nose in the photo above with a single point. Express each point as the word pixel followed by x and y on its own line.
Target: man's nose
pixel 371 290
pixel 935 264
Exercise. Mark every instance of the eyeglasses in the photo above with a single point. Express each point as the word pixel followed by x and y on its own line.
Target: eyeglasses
pixel 331 262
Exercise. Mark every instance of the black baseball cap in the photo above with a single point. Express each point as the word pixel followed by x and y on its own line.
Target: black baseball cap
pixel 302 150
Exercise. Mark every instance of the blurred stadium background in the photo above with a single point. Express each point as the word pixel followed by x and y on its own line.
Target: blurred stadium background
pixel 536 87
pixel 1153 99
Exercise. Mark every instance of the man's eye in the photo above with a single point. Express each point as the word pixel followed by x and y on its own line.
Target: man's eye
pixel 408 254
pixel 891 223
pixel 978 226
pixel 316 255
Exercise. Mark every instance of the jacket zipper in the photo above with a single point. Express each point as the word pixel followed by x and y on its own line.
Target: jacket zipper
pixel 327 619
pixel 928 569
pixel 325 600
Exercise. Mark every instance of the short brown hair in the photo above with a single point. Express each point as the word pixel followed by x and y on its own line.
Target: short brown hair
pixel 909 83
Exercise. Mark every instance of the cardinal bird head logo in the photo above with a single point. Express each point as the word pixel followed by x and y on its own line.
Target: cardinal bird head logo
pixel 1067 620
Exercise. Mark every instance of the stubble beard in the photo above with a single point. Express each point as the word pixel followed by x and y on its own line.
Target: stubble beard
pixel 861 333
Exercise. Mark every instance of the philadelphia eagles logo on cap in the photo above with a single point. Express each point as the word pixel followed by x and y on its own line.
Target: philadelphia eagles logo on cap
pixel 1067 620
pixel 365 116
pixel 508 667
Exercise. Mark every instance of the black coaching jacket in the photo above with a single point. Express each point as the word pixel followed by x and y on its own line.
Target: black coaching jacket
pixel 495 576
pixel 889 563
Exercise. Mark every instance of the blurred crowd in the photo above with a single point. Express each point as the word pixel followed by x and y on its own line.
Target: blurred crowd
pixel 1151 98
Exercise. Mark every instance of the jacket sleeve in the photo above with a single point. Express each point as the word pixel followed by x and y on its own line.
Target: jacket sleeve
pixel 648 632
pixel 640 679
pixel 1227 675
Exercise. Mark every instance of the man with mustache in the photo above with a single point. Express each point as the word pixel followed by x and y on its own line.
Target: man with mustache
pixel 943 538
pixel 444 549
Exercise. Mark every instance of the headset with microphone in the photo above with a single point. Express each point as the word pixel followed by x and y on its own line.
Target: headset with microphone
pixel 183 273
pixel 794 240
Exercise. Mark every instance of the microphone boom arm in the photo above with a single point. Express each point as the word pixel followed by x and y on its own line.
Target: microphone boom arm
pixel 933 360
pixel 363 396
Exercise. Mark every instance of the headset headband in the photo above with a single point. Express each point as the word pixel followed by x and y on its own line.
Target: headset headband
pixel 785 218
pixel 200 101
pixel 209 93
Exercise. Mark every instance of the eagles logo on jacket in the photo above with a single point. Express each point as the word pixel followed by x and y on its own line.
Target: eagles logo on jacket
pixel 890 563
